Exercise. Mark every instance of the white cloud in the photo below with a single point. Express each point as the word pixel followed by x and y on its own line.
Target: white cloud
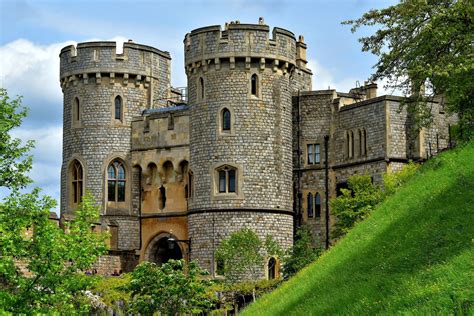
pixel 323 78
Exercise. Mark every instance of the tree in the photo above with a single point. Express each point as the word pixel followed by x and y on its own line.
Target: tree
pixel 301 254
pixel 354 204
pixel 422 42
pixel 171 289
pixel 14 159
pixel 40 264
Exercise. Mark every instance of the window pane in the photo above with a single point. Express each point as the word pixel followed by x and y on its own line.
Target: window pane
pixel 111 172
pixel 121 173
pixel 222 181
pixel 118 108
pixel 226 120
pixel 74 186
pixel 231 174
pixel 317 153
pixel 310 205
pixel 111 191
pixel 318 205
pixel 310 154
pixel 121 191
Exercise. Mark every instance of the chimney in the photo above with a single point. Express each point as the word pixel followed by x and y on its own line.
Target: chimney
pixel 370 90
pixel 301 53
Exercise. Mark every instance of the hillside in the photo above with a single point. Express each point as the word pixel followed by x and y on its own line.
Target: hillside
pixel 415 253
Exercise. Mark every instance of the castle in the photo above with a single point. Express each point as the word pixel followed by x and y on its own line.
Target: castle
pixel 245 145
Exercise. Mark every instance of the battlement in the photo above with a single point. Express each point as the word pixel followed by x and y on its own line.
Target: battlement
pixel 252 42
pixel 101 59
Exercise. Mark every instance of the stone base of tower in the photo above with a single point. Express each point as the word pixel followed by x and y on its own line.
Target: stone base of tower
pixel 208 228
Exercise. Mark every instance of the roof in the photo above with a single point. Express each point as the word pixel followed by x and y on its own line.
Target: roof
pixel 181 107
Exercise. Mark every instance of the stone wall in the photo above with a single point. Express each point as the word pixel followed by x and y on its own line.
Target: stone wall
pixel 208 229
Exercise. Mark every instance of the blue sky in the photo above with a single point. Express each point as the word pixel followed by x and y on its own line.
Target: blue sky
pixel 33 32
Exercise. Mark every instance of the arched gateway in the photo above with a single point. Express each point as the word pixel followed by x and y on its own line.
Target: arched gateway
pixel 160 251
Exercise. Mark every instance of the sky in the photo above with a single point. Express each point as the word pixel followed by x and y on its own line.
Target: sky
pixel 33 32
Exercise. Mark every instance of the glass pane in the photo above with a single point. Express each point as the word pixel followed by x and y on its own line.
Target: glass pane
pixel 74 186
pixel 118 108
pixel 79 171
pixel 231 174
pixel 111 191
pixel 222 181
pixel 121 191
pixel 310 154
pixel 318 205
pixel 79 185
pixel 121 173
pixel 317 152
pixel 310 205
pixel 111 172
pixel 226 120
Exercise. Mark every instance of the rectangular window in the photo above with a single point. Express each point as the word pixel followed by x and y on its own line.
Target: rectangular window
pixel 317 153
pixel 231 174
pixel 222 181
pixel 310 154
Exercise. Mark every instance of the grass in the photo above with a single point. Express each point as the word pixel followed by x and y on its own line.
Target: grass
pixel 413 255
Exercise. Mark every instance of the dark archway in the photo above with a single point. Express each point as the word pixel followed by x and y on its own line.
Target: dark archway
pixel 161 252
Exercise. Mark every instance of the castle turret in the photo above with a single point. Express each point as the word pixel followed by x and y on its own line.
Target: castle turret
pixel 240 86
pixel 103 90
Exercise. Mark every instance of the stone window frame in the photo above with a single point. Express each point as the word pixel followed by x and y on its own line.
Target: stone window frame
pixel 349 144
pixel 121 121
pixel 257 96
pixel 277 267
pixel 219 122
pixel 305 206
pixel 69 189
pixel 306 145
pixel 201 89
pixel 124 206
pixel 76 112
pixel 217 272
pixel 239 177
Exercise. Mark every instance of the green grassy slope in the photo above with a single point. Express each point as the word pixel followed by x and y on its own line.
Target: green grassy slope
pixel 414 254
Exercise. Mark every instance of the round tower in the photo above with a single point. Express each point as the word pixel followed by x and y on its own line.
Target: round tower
pixel 103 90
pixel 240 96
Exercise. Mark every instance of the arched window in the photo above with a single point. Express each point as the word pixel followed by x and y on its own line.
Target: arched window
pixel 227 180
pixel 272 271
pixel 364 142
pixel 77 182
pixel 348 142
pixel 360 143
pixel 116 182
pixel 76 111
pixel 317 203
pixel 201 88
pixel 254 85
pixel 226 120
pixel 351 144
pixel 310 205
pixel 118 108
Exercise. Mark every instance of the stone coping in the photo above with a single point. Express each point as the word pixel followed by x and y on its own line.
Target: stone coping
pixel 104 44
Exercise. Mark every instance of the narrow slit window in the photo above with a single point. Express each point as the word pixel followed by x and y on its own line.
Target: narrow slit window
pixel 118 108
pixel 317 203
pixel 201 88
pixel 226 120
pixel 77 110
pixel 254 85
pixel 77 181
pixel 310 205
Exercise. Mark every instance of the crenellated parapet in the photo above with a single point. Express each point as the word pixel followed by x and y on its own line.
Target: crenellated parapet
pixel 212 47
pixel 92 62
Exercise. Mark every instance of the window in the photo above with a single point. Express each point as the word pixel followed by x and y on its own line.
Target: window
pixel 351 151
pixel 314 154
pixel 272 271
pixel 76 111
pixel 364 142
pixel 360 144
pixel 220 266
pixel 317 203
pixel 226 119
pixel 310 205
pixel 77 181
pixel 118 108
pixel 254 85
pixel 116 182
pixel 227 180
pixel 170 122
pixel 201 89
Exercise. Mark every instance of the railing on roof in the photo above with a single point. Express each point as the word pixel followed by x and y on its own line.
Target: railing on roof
pixel 174 96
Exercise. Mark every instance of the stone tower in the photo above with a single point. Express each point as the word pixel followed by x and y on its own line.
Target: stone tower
pixel 240 95
pixel 103 89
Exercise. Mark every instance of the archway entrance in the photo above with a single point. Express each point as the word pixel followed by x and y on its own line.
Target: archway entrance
pixel 160 251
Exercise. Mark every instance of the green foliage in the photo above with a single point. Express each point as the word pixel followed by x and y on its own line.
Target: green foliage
pixel 14 158
pixel 241 255
pixel 113 290
pixel 53 260
pixel 171 289
pixel 414 255
pixel 301 254
pixel 426 42
pixel 355 203
pixel 394 180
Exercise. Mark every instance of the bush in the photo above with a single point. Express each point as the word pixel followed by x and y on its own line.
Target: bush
pixel 394 180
